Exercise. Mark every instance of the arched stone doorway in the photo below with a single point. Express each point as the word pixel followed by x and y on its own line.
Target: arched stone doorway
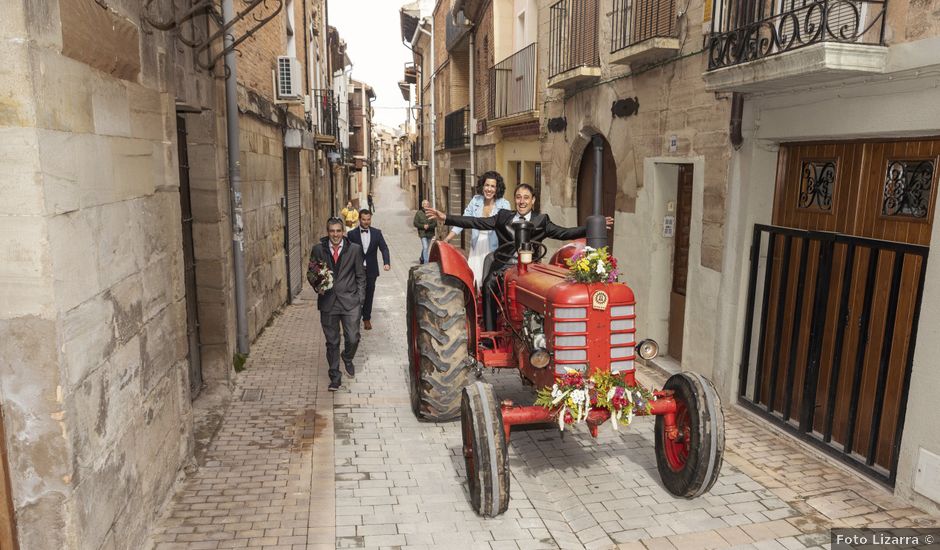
pixel 608 187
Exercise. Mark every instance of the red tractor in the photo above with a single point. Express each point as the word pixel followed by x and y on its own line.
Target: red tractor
pixel 549 326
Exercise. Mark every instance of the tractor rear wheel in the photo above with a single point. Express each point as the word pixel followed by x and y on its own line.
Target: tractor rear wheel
pixel 437 340
pixel 689 464
pixel 484 450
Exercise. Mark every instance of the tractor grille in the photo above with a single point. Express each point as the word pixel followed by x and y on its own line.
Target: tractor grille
pixel 622 338
pixel 574 351
pixel 570 343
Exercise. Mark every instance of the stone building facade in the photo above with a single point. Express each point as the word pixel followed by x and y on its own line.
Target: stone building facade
pixel 116 282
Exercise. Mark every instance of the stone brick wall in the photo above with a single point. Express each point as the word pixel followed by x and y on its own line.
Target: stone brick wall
pixel 483 60
pixel 93 376
pixel 262 159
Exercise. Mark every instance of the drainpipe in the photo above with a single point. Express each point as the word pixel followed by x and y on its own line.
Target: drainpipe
pixel 235 181
pixel 433 114
pixel 737 115
pixel 473 120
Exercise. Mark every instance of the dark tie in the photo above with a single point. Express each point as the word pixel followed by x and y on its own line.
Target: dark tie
pixel 364 230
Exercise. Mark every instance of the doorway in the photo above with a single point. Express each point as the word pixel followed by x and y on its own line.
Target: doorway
pixel 189 263
pixel 680 260
pixel 834 295
pixel 292 235
pixel 7 517
pixel 608 186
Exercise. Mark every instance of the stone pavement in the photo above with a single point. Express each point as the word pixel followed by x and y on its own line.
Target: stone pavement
pixel 296 467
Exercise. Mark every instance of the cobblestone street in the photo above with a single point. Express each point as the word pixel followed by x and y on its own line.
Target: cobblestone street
pixel 293 466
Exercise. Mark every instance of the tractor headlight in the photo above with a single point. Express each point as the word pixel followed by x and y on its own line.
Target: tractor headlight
pixel 647 349
pixel 540 358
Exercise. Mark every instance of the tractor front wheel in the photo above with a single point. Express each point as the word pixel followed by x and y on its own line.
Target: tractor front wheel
pixel 484 450
pixel 689 464
pixel 437 343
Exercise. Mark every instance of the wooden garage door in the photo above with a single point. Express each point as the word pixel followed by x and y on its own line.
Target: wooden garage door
pixel 834 295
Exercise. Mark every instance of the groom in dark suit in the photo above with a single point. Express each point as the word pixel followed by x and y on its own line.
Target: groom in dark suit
pixel 371 241
pixel 341 305
pixel 502 223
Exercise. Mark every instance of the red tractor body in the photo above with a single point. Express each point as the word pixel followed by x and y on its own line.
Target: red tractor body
pixel 548 326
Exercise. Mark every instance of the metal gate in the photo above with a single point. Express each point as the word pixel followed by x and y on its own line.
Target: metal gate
pixel 189 263
pixel 292 236
pixel 830 330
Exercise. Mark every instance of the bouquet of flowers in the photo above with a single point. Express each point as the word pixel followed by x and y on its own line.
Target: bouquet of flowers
pixel 573 396
pixel 592 265
pixel 320 276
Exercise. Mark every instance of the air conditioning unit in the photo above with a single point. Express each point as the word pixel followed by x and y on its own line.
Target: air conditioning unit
pixel 288 79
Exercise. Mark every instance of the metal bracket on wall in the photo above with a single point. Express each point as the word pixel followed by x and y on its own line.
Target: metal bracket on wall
pixel 256 12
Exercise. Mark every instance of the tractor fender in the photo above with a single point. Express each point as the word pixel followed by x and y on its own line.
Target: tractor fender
pixel 452 263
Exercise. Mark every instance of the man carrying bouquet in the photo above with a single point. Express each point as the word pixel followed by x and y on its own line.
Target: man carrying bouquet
pixel 337 274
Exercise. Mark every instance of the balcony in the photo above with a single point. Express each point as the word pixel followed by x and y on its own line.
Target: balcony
pixel 457 29
pixel 325 117
pixel 572 52
pixel 512 87
pixel 774 45
pixel 457 129
pixel 643 31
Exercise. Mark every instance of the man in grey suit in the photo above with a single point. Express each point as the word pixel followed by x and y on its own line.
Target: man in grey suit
pixel 340 305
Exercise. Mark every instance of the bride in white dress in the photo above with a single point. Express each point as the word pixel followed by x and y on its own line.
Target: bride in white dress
pixel 487 201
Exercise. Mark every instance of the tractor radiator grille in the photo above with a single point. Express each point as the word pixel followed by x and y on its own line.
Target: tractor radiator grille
pixel 622 338
pixel 570 343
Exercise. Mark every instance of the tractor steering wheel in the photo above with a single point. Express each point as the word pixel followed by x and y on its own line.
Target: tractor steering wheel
pixel 505 252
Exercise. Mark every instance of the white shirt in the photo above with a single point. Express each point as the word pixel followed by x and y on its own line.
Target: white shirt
pixel 333 247
pixel 366 239
pixel 527 217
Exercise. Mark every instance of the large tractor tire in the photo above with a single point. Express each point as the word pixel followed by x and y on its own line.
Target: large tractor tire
pixel 437 337
pixel 690 464
pixel 484 450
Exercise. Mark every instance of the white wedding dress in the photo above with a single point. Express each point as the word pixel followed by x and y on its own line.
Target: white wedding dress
pixel 479 249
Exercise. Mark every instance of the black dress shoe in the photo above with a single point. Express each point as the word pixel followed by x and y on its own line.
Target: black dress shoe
pixel 351 371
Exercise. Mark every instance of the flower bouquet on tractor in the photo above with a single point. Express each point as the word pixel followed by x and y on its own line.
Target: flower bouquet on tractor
pixel 568 326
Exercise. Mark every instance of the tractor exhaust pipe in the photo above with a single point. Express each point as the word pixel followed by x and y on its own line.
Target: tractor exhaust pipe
pixel 596 223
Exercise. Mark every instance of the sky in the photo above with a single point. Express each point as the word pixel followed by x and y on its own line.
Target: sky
pixel 372 33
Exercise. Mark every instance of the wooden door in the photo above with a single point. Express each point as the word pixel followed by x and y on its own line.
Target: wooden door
pixel 680 261
pixel 841 292
pixel 7 517
pixel 608 187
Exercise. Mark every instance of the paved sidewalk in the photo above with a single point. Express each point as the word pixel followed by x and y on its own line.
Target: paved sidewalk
pixel 296 467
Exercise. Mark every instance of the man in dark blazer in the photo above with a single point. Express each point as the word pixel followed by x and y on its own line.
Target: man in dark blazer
pixel 371 241
pixel 501 222
pixel 340 305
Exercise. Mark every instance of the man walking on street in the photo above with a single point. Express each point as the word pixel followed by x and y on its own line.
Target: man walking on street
pixel 370 202
pixel 341 304
pixel 371 241
pixel 425 227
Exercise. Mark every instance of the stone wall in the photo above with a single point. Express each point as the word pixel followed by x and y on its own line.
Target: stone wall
pixel 262 159
pixel 93 370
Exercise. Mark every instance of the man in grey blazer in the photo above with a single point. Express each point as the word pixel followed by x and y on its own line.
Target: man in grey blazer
pixel 340 305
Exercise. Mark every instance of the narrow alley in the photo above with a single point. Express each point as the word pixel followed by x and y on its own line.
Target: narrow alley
pixel 296 467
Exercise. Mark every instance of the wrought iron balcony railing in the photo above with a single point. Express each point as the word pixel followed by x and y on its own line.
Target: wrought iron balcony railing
pixel 325 112
pixel 572 36
pixel 457 129
pixel 634 21
pixel 512 84
pixel 744 30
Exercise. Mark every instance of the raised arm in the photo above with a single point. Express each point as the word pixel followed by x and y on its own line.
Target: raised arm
pixel 467 222
pixel 567 233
